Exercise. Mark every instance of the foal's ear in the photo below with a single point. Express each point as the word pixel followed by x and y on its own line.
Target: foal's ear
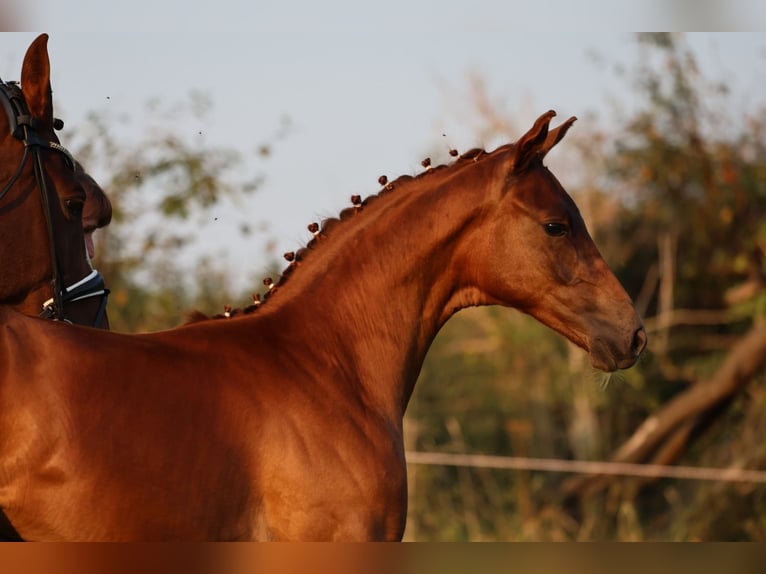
pixel 530 144
pixel 36 79
pixel 538 141
pixel 555 135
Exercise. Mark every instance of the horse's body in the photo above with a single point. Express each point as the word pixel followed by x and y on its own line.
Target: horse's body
pixel 286 423
pixel 43 196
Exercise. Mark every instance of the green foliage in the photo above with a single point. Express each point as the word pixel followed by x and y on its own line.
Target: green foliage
pixel 491 384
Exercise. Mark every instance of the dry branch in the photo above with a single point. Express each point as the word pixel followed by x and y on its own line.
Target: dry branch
pixel 661 436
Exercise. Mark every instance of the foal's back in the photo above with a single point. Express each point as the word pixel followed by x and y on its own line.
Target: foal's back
pixel 184 452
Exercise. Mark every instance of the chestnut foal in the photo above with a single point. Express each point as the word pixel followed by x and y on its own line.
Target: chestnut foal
pixel 286 423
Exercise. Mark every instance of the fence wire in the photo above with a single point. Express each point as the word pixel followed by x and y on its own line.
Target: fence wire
pixel 587 467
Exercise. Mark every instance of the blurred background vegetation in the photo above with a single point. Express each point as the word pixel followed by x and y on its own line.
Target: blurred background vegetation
pixel 674 196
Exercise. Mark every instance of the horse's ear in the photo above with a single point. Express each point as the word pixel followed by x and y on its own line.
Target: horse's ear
pixel 530 145
pixel 555 135
pixel 36 79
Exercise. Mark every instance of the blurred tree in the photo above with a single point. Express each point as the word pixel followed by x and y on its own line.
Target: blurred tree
pixel 164 186
pixel 694 201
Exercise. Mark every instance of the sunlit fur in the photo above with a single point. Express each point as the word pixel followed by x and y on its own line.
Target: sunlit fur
pixel 287 423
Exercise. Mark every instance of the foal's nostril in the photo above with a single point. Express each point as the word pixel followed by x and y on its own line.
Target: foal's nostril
pixel 639 341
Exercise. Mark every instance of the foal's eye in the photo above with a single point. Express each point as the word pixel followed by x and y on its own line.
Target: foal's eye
pixel 556 229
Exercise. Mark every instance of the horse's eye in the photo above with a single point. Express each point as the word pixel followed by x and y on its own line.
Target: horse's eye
pixel 74 207
pixel 556 229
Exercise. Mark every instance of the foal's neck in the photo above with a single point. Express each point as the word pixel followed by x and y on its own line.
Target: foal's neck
pixel 372 294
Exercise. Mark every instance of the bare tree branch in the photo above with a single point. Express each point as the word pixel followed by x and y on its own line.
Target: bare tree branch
pixel 662 436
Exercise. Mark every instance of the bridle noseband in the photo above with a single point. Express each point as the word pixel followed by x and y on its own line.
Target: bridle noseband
pixel 22 127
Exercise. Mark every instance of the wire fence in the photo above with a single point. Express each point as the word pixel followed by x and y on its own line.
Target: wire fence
pixel 587 467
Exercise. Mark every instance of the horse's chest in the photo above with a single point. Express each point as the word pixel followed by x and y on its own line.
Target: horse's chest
pixel 342 485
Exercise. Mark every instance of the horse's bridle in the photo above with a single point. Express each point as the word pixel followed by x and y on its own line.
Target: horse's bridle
pixel 22 126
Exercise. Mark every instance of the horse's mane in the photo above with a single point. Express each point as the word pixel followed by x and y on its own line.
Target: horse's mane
pixel 329 225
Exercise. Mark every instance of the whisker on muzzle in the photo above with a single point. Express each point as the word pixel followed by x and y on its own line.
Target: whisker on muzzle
pixel 605 379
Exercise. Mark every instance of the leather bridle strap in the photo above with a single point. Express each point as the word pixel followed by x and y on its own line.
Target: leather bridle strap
pixel 31 140
pixel 16 174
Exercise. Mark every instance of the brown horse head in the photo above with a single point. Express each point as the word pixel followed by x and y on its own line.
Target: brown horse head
pixel 42 202
pixel 493 228
pixel 540 258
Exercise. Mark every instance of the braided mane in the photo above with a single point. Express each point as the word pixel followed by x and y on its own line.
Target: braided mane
pixel 328 226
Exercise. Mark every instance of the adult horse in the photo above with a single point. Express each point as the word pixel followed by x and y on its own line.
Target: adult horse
pixel 49 207
pixel 44 264
pixel 286 423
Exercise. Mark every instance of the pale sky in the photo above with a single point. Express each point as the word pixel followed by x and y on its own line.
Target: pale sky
pixel 369 89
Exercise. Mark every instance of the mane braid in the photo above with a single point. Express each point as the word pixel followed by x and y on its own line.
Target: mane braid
pixel 329 225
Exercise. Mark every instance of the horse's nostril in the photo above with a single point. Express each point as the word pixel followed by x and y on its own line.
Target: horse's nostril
pixel 639 341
